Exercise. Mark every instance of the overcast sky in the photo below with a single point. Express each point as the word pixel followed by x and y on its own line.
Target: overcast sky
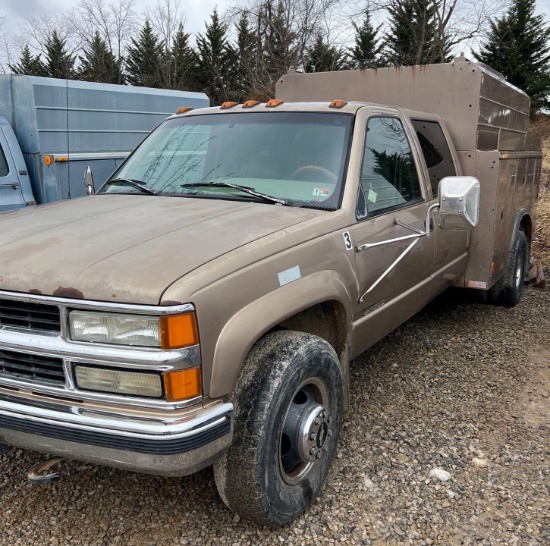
pixel 196 11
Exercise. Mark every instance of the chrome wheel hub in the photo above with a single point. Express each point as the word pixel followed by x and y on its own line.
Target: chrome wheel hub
pixel 313 433
pixel 306 431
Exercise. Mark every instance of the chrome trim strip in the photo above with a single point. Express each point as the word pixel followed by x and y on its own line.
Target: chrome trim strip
pixel 92 396
pixel 95 421
pixel 142 358
pixel 157 310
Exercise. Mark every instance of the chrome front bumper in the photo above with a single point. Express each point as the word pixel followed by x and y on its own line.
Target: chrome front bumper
pixel 138 433
pixel 170 447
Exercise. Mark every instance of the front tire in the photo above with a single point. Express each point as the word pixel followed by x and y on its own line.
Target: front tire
pixel 508 289
pixel 288 416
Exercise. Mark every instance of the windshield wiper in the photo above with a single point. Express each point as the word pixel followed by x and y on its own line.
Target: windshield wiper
pixel 244 189
pixel 135 183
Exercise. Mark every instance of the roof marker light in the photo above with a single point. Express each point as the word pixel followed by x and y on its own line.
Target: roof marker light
pixel 183 109
pixel 337 104
pixel 273 103
pixel 228 104
pixel 251 103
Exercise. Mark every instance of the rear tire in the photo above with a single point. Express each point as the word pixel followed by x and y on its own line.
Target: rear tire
pixel 288 415
pixel 508 289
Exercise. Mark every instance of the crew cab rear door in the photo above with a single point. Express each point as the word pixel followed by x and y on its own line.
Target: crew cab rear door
pixel 440 161
pixel 392 275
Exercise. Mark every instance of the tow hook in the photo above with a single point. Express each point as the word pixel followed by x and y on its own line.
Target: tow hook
pixel 34 474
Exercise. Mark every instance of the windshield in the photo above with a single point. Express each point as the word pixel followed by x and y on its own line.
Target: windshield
pixel 296 157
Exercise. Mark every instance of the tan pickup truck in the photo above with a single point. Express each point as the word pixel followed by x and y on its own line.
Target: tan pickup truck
pixel 203 306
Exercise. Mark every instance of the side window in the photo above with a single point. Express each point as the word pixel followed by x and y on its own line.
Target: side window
pixel 4 169
pixel 388 175
pixel 436 151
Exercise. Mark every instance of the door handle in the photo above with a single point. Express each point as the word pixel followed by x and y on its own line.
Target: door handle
pixel 13 185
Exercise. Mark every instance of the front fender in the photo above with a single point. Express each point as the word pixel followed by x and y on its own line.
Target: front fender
pixel 247 325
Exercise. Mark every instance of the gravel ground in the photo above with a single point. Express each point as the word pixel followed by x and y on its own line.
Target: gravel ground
pixel 463 387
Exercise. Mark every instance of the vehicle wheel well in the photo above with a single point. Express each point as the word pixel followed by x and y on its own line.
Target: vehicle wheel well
pixel 526 225
pixel 326 320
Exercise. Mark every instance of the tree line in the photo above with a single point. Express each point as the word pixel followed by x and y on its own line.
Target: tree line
pixel 241 54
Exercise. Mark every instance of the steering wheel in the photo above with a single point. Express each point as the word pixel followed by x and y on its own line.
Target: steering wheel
pixel 316 169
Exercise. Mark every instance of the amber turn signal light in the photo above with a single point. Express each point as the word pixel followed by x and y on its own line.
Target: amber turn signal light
pixel 177 331
pixel 182 384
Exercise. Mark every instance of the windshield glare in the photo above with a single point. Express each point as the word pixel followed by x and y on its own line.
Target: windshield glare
pixel 298 157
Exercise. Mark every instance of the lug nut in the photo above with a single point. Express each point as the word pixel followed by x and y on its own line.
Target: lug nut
pixel 329 419
pixel 318 455
pixel 312 451
pixel 329 433
pixel 312 436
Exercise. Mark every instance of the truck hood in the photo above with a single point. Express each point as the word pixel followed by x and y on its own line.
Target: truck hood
pixel 126 248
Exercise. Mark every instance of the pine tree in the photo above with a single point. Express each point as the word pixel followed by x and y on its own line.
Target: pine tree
pixel 279 41
pixel 518 47
pixel 367 49
pixel 322 57
pixel 215 61
pixel 30 65
pixel 98 64
pixel 145 58
pixel 59 62
pixel 182 62
pixel 412 37
pixel 246 61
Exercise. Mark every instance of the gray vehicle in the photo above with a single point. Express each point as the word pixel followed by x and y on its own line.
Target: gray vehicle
pixel 51 130
pixel 203 306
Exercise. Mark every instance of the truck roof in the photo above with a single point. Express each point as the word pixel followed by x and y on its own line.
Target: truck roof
pixel 350 107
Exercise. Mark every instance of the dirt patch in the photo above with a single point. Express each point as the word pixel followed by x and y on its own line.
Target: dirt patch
pixel 536 395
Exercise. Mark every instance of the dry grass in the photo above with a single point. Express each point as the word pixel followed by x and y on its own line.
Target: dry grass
pixel 541 241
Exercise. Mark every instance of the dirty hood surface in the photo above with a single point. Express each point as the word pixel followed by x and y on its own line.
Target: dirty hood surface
pixel 126 248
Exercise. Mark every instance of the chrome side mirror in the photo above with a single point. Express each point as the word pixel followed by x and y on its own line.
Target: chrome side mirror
pixel 458 203
pixel 89 181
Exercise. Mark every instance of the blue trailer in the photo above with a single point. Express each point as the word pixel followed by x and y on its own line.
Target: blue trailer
pixel 51 130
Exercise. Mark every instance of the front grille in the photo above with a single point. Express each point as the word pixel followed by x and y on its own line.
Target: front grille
pixel 39 369
pixel 34 316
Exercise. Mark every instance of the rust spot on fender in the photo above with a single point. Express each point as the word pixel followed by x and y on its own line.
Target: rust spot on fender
pixel 73 293
pixel 35 291
pixel 171 302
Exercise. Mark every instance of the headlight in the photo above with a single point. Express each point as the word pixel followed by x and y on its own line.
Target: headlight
pixel 169 332
pixel 119 382
pixel 178 384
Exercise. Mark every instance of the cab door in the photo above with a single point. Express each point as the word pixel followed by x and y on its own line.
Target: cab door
pixel 11 196
pixel 393 263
